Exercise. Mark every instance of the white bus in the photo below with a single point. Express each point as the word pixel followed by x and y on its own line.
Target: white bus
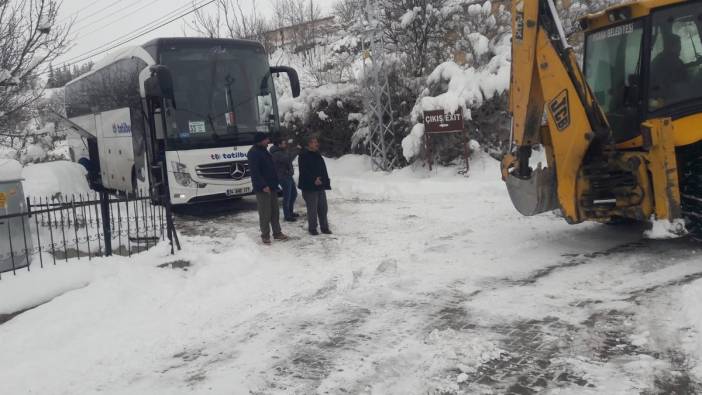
pixel 220 93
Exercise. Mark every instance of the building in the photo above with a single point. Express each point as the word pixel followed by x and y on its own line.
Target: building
pixel 298 36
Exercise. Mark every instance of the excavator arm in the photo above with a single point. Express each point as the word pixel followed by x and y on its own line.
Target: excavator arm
pixel 586 176
pixel 546 76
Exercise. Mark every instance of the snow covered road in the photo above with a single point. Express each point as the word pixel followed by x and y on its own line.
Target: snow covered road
pixel 429 285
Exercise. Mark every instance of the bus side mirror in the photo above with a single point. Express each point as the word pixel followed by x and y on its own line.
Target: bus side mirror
pixel 292 76
pixel 160 84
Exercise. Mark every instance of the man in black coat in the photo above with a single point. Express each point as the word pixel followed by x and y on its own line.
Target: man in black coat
pixel 283 159
pixel 314 182
pixel 265 185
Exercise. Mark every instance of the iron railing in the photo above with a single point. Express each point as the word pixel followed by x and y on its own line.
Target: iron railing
pixel 50 230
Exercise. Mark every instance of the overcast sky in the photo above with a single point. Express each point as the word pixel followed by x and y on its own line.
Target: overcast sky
pixel 99 22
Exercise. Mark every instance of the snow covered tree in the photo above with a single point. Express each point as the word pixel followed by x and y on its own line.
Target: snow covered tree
pixel 348 12
pixel 58 78
pixel 477 78
pixel 30 40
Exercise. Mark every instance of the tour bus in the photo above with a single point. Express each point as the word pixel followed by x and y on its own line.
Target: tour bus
pixel 221 93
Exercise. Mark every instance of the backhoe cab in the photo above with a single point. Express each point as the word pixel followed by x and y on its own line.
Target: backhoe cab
pixel 622 136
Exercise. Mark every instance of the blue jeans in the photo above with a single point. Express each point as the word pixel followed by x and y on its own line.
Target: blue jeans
pixel 289 196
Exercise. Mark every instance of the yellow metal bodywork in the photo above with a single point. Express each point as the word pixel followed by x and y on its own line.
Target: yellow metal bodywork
pixel 663 168
pixel 542 78
pixel 636 9
pixel 686 131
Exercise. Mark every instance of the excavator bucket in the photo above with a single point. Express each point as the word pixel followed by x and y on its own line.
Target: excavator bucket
pixel 534 195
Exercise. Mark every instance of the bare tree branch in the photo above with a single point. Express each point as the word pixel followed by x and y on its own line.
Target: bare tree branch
pixel 30 39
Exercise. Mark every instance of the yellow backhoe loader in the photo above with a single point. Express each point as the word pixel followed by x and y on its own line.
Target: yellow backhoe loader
pixel 622 136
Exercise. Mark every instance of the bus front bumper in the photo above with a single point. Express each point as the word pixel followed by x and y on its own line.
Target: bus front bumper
pixel 197 193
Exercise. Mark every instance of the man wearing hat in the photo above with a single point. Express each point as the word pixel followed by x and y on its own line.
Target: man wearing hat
pixel 265 185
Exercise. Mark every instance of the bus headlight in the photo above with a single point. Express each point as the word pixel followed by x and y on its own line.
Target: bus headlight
pixel 181 175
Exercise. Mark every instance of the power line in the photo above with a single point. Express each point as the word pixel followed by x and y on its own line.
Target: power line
pixel 110 5
pixel 139 35
pixel 98 20
pixel 135 31
pixel 66 18
pixel 123 17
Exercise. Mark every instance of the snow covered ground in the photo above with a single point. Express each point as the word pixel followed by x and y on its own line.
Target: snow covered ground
pixel 431 284
pixel 54 179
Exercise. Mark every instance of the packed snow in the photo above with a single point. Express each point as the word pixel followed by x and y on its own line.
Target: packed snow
pixel 432 283
pixel 55 179
pixel 665 229
pixel 10 170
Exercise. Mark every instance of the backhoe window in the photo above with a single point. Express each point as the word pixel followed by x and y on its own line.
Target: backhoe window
pixel 612 69
pixel 676 57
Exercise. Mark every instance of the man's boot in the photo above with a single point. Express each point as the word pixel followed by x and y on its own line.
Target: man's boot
pixel 281 237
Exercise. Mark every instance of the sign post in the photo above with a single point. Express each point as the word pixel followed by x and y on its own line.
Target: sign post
pixel 442 122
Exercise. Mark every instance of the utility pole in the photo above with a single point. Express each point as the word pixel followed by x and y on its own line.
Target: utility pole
pixel 377 99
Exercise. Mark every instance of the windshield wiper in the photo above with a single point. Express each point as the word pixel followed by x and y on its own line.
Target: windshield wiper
pixel 212 125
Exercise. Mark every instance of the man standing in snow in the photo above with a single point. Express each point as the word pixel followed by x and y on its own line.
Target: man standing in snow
pixel 283 159
pixel 314 182
pixel 265 185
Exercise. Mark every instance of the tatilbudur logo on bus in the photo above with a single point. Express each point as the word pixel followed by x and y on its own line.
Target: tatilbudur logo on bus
pixel 233 155
pixel 121 128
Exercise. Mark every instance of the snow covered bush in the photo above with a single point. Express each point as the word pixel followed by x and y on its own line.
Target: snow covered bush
pixel 331 112
pixel 40 138
pixel 475 74
pixel 478 35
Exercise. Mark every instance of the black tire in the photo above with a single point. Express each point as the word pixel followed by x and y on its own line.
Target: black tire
pixel 621 221
pixel 690 174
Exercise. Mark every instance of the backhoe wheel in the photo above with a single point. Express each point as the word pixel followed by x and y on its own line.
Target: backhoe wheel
pixel 690 165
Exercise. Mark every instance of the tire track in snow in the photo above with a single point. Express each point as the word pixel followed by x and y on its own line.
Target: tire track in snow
pixel 532 346
pixel 536 352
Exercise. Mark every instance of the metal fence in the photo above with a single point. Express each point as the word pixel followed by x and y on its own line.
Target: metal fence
pixel 50 230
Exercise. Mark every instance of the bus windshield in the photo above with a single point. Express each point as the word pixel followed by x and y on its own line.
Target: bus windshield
pixel 223 95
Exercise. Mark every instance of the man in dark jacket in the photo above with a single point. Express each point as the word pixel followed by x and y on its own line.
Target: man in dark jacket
pixel 668 72
pixel 314 182
pixel 283 159
pixel 265 185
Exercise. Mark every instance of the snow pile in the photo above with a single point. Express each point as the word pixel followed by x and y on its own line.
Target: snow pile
pixel 33 153
pixel 29 289
pixel 10 170
pixel 412 144
pixel 360 183
pixel 7 152
pixel 665 229
pixel 53 179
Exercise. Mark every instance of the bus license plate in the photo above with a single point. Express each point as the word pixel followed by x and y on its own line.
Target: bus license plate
pixel 238 191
